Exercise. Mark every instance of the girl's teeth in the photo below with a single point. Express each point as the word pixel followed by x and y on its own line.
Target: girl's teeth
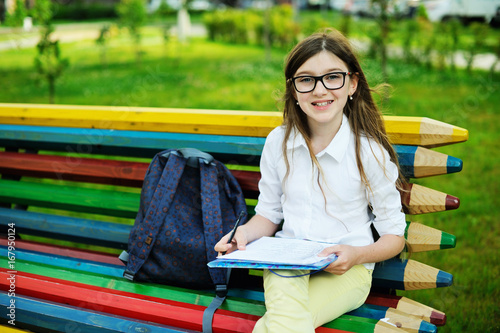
pixel 323 104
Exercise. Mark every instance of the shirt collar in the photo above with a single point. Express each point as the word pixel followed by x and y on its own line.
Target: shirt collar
pixel 335 149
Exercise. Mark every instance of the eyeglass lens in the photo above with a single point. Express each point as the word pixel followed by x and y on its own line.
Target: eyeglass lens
pixel 331 81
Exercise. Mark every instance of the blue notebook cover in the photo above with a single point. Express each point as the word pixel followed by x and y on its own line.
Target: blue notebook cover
pixel 266 265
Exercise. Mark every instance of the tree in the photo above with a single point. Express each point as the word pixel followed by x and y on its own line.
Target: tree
pixel 16 18
pixel 102 41
pixel 479 33
pixel 497 53
pixel 48 62
pixel 381 7
pixel 132 15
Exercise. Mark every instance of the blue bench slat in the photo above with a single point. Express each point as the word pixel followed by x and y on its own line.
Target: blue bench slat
pixel 66 262
pixel 227 149
pixel 393 268
pixel 129 143
pixel 114 235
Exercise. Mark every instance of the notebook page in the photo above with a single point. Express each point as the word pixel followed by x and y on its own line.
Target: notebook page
pixel 279 251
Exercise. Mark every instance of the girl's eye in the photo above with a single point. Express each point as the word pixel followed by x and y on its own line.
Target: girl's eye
pixel 333 77
pixel 306 79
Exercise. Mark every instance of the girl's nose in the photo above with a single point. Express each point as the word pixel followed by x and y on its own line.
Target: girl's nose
pixel 320 88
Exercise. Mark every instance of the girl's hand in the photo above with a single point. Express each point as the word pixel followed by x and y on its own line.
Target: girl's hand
pixel 239 242
pixel 347 256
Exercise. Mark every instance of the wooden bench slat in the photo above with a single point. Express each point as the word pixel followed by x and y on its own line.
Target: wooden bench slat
pixel 80 199
pixel 91 170
pixel 383 301
pixel 408 323
pixel 364 311
pixel 169 292
pixel 418 199
pixel 420 237
pixel 409 275
pixel 71 292
pixel 409 306
pixel 394 274
pixel 75 229
pixel 416 162
pixel 128 143
pixel 170 313
pixel 401 130
pixel 102 171
pixel 64 251
pixel 37 313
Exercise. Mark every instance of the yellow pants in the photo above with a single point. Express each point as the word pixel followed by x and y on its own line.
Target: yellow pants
pixel 300 304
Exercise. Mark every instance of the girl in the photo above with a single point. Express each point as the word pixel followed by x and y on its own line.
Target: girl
pixel 329 172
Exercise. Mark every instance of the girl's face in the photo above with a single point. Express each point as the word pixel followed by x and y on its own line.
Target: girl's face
pixel 323 106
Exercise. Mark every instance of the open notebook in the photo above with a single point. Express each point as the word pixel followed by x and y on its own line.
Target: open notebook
pixel 277 253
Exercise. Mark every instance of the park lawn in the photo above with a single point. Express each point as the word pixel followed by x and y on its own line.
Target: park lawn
pixel 209 75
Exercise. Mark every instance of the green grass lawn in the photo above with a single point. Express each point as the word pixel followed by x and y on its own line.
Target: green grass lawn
pixel 217 76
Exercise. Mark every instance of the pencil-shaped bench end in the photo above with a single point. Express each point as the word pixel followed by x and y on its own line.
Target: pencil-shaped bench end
pixel 409 275
pixel 424 238
pixel 422 131
pixel 408 306
pixel 418 199
pixel 418 162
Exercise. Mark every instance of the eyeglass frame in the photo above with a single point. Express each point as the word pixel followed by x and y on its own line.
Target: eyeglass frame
pixel 320 78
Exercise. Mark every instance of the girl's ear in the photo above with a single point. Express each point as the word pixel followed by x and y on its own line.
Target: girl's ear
pixel 353 83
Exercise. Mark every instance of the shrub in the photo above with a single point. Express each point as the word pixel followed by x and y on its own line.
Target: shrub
pixel 249 27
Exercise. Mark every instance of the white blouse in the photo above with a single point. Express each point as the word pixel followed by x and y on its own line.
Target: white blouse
pixel 300 201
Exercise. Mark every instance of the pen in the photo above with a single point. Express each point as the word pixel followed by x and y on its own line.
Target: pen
pixel 242 213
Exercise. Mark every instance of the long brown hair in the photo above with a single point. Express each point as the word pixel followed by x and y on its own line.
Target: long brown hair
pixel 364 116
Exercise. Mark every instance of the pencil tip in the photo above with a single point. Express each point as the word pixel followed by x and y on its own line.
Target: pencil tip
pixel 453 164
pixel 452 202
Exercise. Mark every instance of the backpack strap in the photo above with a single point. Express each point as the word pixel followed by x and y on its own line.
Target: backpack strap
pixel 220 297
pixel 212 225
pixel 162 197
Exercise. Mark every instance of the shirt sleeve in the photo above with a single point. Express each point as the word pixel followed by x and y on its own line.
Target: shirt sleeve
pixel 383 196
pixel 269 204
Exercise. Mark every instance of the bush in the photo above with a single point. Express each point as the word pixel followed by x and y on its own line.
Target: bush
pixel 249 27
pixel 232 25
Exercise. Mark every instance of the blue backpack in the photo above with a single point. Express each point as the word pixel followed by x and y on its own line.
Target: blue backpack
pixel 189 201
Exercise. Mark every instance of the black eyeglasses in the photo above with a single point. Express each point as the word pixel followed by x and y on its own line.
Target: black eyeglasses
pixel 331 81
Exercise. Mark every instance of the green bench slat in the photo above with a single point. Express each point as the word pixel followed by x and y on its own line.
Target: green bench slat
pixel 80 199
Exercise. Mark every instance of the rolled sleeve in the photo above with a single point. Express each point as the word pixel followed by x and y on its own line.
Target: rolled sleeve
pixel 384 197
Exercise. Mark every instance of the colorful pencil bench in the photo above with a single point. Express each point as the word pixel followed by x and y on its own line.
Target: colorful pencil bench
pixel 69 191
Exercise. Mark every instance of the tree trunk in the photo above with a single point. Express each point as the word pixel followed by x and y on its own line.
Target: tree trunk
pixel 52 90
